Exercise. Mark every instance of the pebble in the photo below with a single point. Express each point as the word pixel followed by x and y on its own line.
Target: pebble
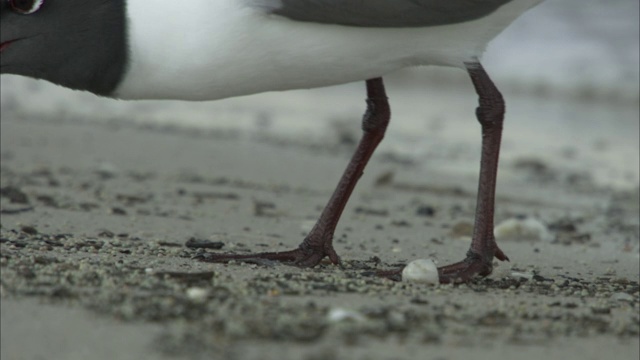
pixel 197 294
pixel 527 228
pixel 620 296
pixel 421 271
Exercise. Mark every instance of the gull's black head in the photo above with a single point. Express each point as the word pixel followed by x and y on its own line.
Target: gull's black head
pixel 79 44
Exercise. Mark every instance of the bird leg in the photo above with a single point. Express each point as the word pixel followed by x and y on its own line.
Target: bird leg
pixel 319 242
pixel 490 114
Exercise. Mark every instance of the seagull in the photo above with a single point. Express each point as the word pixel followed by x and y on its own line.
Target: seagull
pixel 202 50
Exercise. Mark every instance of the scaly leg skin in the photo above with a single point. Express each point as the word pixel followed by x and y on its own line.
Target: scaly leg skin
pixel 479 259
pixel 490 114
pixel 319 243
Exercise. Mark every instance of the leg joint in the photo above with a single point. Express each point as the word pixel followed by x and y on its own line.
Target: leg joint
pixel 376 118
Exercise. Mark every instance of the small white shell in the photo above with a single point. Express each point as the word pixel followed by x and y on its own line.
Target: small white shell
pixel 522 275
pixel 522 229
pixel 340 314
pixel 421 271
pixel 197 294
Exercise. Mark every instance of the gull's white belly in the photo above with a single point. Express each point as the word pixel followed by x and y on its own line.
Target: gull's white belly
pixel 226 49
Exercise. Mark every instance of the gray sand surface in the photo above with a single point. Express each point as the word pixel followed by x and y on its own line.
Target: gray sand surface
pixel 101 202
pixel 96 216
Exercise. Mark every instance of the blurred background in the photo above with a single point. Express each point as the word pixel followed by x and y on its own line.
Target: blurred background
pixel 569 70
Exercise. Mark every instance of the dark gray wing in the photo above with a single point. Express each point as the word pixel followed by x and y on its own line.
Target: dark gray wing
pixel 380 13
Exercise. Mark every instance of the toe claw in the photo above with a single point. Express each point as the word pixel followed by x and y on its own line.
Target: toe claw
pixel 303 256
pixel 501 255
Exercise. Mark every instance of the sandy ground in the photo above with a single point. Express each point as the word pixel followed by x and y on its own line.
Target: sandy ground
pixel 101 202
pixel 97 215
